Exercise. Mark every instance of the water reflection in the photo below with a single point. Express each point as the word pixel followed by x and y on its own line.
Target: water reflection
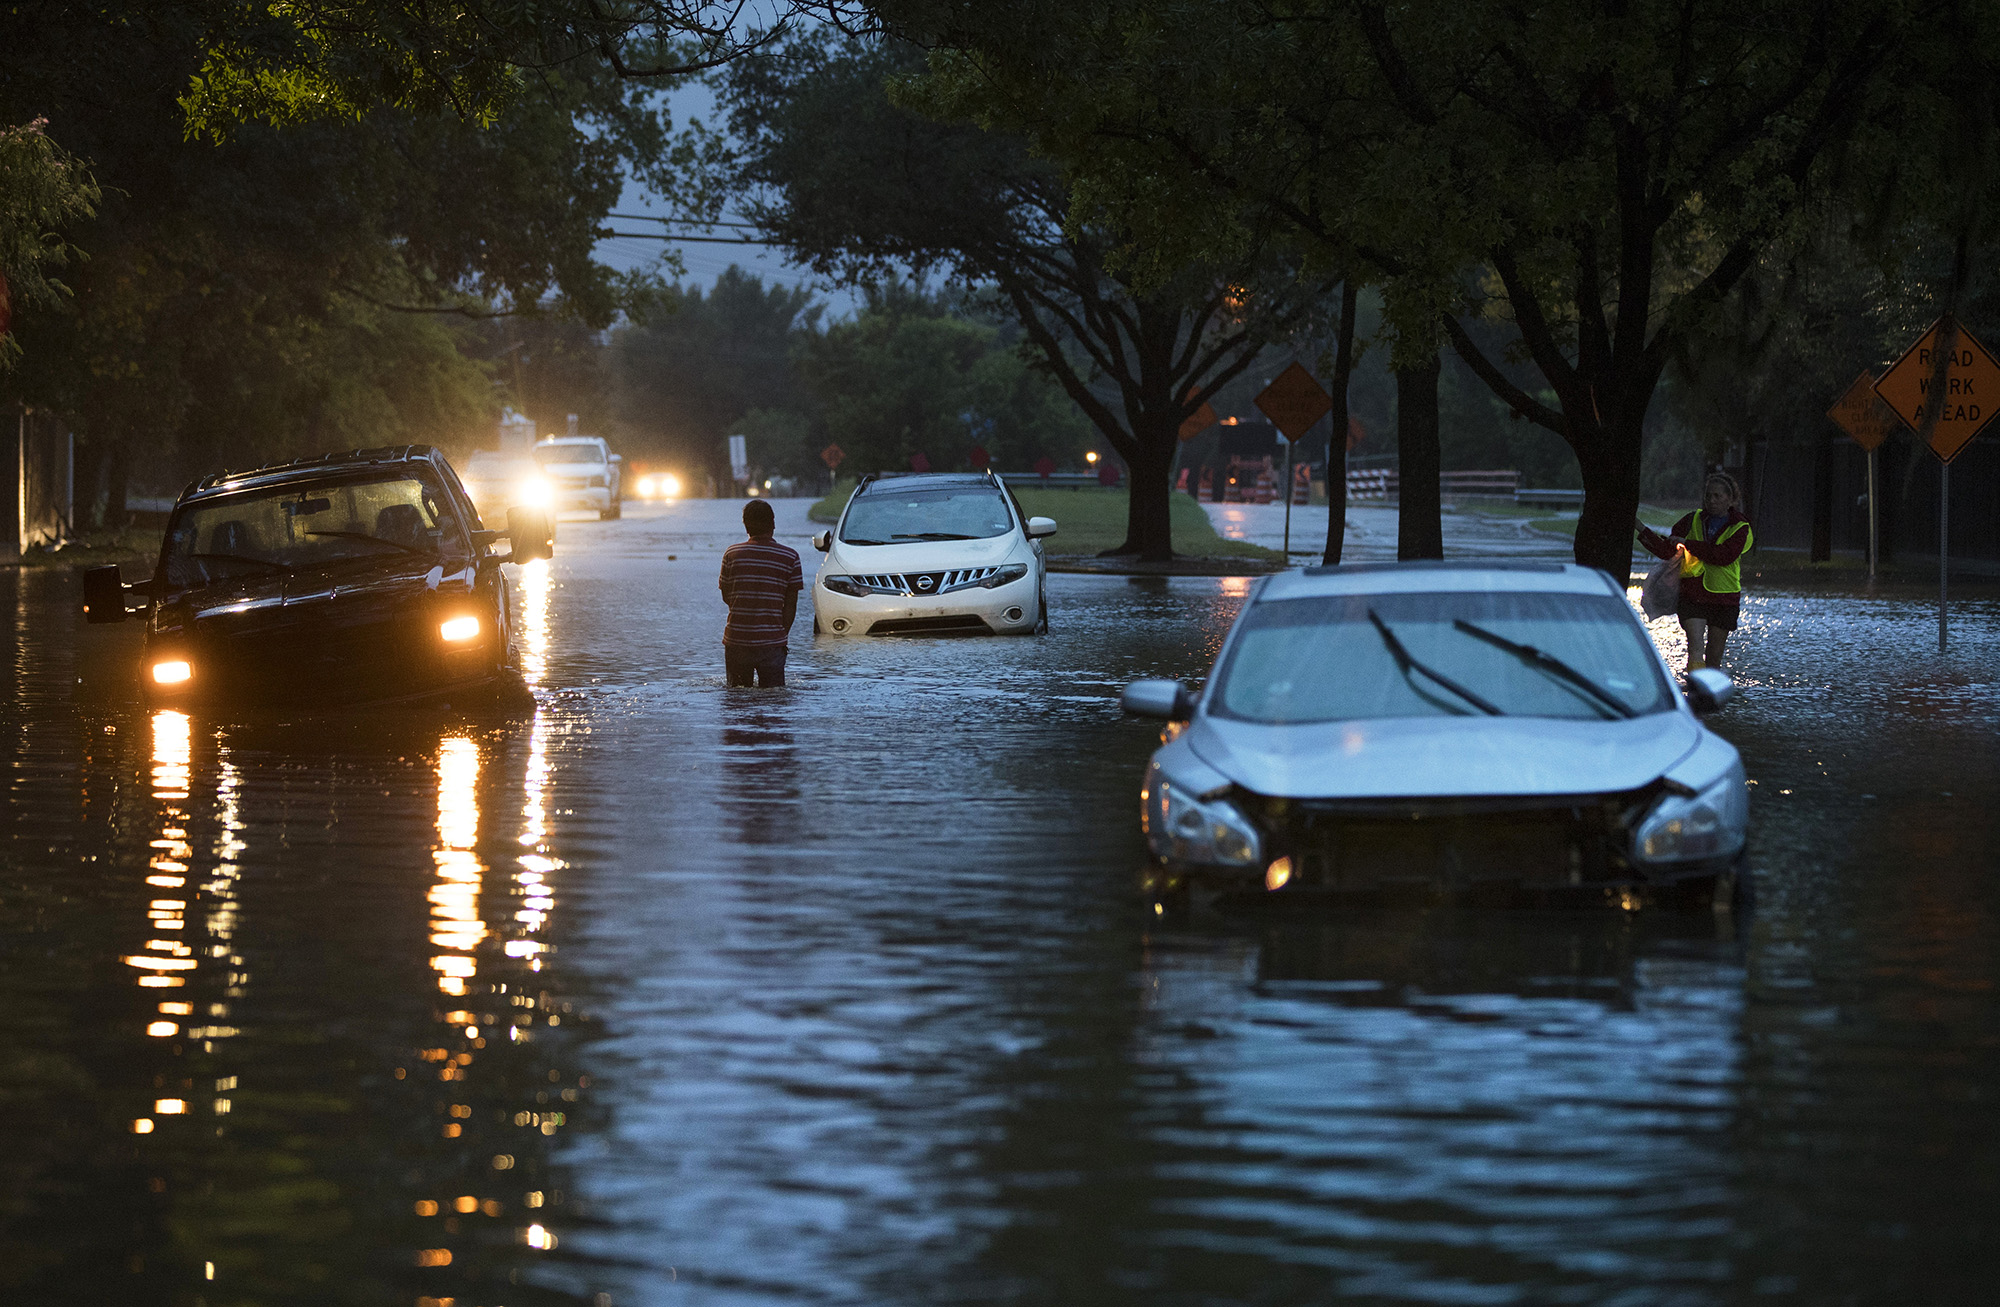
pixel 533 606
pixel 493 1195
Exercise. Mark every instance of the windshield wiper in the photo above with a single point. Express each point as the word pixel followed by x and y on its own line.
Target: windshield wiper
pixel 1408 663
pixel 245 558
pixel 380 540
pixel 933 535
pixel 1554 666
pixel 856 540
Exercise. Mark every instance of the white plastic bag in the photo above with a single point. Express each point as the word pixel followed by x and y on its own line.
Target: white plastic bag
pixel 1660 592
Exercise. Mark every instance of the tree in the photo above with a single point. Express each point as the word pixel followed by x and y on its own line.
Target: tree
pixel 909 376
pixel 1613 170
pixel 861 187
pixel 691 369
pixel 239 299
pixel 42 187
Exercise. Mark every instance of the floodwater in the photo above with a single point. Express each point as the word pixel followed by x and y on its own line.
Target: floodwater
pixel 676 994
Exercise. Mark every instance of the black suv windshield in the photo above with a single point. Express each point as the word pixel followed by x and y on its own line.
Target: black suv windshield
pixel 1337 658
pixel 290 527
pixel 886 516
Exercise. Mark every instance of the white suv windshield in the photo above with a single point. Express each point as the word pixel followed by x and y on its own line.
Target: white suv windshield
pixel 1328 659
pixel 547 454
pixel 886 516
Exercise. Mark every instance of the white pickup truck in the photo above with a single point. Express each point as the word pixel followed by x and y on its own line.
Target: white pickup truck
pixel 581 472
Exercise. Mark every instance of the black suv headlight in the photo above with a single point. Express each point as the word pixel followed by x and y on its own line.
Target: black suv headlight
pixel 843 585
pixel 1005 576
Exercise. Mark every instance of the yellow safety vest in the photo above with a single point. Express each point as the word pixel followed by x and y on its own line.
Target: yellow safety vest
pixel 1717 578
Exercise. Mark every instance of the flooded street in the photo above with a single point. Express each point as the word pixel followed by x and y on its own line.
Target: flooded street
pixel 672 993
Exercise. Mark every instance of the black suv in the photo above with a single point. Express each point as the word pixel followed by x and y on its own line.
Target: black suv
pixel 342 577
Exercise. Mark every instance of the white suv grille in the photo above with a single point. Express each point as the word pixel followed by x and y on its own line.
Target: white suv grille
pixel 923 583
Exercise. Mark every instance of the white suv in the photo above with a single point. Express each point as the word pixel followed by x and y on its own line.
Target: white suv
pixel 932 553
pixel 580 472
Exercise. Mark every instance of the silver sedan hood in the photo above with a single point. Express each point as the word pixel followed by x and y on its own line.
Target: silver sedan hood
pixel 1444 756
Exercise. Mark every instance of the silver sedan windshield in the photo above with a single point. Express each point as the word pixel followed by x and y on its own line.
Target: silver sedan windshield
pixel 885 517
pixel 1328 659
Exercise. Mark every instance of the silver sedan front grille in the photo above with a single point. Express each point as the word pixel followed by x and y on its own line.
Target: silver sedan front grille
pixel 922 584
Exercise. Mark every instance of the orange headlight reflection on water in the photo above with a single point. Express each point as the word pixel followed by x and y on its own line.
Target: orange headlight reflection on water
pixel 459 628
pixel 172 671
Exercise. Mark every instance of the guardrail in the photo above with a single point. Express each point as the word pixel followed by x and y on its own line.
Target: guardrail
pixel 1496 484
pixel 1549 498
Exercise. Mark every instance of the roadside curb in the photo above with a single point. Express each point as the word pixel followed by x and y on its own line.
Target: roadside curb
pixel 1085 565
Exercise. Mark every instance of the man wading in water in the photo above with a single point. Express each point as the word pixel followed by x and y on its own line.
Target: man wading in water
pixel 761 580
pixel 1710 543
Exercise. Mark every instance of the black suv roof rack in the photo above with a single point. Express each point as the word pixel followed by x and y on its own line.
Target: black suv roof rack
pixel 354 457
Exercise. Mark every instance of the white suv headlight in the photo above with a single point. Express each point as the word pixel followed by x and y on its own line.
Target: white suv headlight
pixel 1186 829
pixel 1705 825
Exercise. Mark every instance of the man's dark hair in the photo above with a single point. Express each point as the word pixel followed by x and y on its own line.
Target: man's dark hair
pixel 758 519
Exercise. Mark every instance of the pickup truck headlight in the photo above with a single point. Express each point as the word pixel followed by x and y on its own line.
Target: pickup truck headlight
pixel 1187 829
pixel 843 585
pixel 1685 828
pixel 1005 576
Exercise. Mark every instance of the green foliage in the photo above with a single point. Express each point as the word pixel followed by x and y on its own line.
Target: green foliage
pixel 686 374
pixel 42 188
pixel 908 377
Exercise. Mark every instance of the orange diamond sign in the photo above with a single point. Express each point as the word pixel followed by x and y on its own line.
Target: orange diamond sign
pixel 1294 402
pixel 1862 414
pixel 1946 387
pixel 1198 421
pixel 832 455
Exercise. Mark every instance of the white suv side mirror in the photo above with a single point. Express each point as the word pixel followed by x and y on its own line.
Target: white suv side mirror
pixel 823 541
pixel 1038 527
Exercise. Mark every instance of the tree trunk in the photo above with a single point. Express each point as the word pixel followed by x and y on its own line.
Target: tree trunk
pixel 1610 463
pixel 115 515
pixel 1419 513
pixel 1149 498
pixel 1822 523
pixel 1336 439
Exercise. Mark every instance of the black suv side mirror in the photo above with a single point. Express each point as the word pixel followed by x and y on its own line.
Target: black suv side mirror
pixel 533 534
pixel 103 595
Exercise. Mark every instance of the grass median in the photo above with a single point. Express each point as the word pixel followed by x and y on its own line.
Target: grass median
pixel 1092 520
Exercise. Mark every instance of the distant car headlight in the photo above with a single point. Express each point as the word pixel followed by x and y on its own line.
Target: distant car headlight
pixel 459 629
pixel 647 487
pixel 843 585
pixel 1186 829
pixel 1005 576
pixel 533 491
pixel 1687 828
pixel 172 671
pixel 670 486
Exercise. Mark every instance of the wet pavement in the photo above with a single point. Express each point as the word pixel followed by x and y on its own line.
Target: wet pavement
pixel 1371 533
pixel 672 993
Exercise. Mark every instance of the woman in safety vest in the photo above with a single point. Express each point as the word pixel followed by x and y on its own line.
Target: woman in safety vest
pixel 1710 542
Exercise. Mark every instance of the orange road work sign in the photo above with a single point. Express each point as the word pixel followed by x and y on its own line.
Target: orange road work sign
pixel 832 455
pixel 1862 414
pixel 1198 421
pixel 1294 402
pixel 1946 387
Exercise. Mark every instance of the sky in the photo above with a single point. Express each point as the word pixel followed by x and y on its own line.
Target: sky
pixel 705 262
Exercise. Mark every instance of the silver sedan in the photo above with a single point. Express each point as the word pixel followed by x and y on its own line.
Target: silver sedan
pixel 1428 731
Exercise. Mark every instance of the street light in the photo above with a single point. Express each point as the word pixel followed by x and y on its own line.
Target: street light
pixel 1091 458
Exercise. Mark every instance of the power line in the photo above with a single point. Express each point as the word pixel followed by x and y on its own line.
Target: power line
pixel 689 222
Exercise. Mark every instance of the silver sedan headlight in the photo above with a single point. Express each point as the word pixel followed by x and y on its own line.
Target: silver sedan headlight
pixel 1187 829
pixel 1686 828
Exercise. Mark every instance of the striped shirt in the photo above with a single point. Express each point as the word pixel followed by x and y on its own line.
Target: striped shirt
pixel 757 575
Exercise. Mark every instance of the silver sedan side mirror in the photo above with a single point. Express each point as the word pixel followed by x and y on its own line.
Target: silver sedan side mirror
pixel 823 541
pixel 1168 700
pixel 1709 689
